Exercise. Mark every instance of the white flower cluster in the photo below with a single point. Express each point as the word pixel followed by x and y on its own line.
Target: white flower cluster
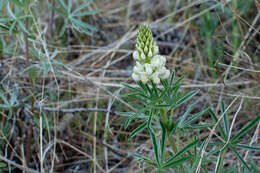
pixel 149 64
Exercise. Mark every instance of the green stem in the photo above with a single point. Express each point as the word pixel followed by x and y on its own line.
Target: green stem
pixel 170 137
pixel 222 159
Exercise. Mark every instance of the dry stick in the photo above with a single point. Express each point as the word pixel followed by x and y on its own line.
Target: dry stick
pixel 106 131
pixel 118 152
pixel 44 45
pixel 96 84
pixel 52 18
pixel 236 55
pixel 254 139
pixel 211 134
pixel 94 133
pixel 98 90
pixel 178 11
pixel 221 158
pixel 188 20
pixel 29 132
pixel 28 170
pixel 79 151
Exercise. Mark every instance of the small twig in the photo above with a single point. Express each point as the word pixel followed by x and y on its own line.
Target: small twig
pixel 52 17
pixel 28 170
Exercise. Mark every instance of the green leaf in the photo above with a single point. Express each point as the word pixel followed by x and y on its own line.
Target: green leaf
pixel 6 27
pixel 247 147
pixel 11 12
pixel 154 88
pixel 63 5
pixel 186 98
pixel 155 146
pixel 199 126
pixel 137 130
pixel 176 162
pixel 132 88
pixel 83 26
pixel 63 29
pixel 150 119
pixel 84 5
pixel 220 159
pixel 214 116
pixel 86 13
pixel 242 161
pixel 172 78
pixel 196 116
pixel 6 107
pixel 145 159
pixel 69 6
pixel 4 99
pixel 245 129
pixel 225 119
pixel 129 114
pixel 163 141
pixel 181 152
pixel 184 116
pixel 2 164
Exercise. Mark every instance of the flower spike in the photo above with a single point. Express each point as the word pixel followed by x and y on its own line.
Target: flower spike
pixel 149 64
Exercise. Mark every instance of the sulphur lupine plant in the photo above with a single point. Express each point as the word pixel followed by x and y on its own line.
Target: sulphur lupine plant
pixel 157 97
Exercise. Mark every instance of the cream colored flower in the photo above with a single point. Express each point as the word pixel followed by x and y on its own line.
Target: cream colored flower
pixel 149 64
